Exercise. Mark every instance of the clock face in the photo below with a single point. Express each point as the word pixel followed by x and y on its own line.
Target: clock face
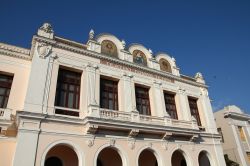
pixel 109 48
pixel 139 58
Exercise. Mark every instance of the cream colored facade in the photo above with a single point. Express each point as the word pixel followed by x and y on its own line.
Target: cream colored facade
pixel 32 131
pixel 235 128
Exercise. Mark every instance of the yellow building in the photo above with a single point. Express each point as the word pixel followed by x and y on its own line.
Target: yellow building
pixel 65 103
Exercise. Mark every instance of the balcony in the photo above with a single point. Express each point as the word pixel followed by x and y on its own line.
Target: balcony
pixel 103 121
pixel 5 114
pixel 5 118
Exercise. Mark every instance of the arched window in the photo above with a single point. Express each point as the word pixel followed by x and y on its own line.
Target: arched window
pixel 165 65
pixel 109 48
pixel 139 57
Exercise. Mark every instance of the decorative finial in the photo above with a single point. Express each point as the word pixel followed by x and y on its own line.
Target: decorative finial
pixel 123 43
pixel 173 59
pixel 150 51
pixel 198 76
pixel 91 34
pixel 46 31
pixel 46 27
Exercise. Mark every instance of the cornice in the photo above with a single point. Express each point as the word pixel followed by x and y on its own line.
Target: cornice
pixel 14 51
pixel 115 60
pixel 237 115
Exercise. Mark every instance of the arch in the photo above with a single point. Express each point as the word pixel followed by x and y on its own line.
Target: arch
pixel 141 48
pixel 166 58
pixel 106 36
pixel 153 151
pixel 109 48
pixel 180 158
pixel 116 148
pixel 165 65
pixel 205 159
pixel 66 144
pixel 139 57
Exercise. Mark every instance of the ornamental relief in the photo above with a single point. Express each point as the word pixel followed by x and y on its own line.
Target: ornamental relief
pixel 43 50
pixel 109 48
pixel 139 57
pixel 165 65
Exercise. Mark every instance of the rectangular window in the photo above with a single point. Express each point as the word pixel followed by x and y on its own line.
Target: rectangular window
pixel 5 86
pixel 142 100
pixel 242 134
pixel 170 105
pixel 108 94
pixel 221 134
pixel 194 109
pixel 68 89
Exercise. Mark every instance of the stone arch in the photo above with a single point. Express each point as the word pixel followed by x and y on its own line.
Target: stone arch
pixel 205 159
pixel 139 58
pixel 138 48
pixel 109 48
pixel 53 150
pixel 109 37
pixel 153 151
pixel 163 57
pixel 119 150
pixel 178 157
pixel 165 65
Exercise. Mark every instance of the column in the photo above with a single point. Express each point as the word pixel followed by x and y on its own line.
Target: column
pixel 92 87
pixel 158 100
pixel 127 93
pixel 27 140
pixel 207 113
pixel 182 105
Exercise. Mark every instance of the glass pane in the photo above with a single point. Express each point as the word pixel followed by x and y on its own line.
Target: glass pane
pixel 5 102
pixel 1 101
pixel 7 92
pixel 71 100
pixel 2 91
pixel 71 87
pixel 110 104
pixel 62 99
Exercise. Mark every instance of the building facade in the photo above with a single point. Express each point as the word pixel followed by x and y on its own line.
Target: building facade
pixel 68 103
pixel 233 125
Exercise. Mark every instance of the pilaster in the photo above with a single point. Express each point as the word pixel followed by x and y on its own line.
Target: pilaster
pixel 92 89
pixel 183 105
pixel 127 91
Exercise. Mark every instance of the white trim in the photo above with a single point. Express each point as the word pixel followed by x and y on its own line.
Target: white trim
pixel 70 144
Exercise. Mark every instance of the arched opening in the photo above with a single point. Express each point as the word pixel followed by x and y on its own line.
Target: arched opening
pixel 140 58
pixel 165 65
pixel 61 155
pixel 147 158
pixel 178 159
pixel 109 48
pixel 203 159
pixel 109 157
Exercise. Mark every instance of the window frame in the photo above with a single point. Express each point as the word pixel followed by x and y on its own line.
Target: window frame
pixel 172 112
pixel 6 85
pixel 140 98
pixel 62 80
pixel 109 86
pixel 194 106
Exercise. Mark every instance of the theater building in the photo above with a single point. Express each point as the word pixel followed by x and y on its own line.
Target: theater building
pixel 65 103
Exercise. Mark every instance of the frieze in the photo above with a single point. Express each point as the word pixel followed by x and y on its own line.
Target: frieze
pixel 134 70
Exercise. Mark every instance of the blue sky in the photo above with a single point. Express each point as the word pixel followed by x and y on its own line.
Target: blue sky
pixel 209 36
